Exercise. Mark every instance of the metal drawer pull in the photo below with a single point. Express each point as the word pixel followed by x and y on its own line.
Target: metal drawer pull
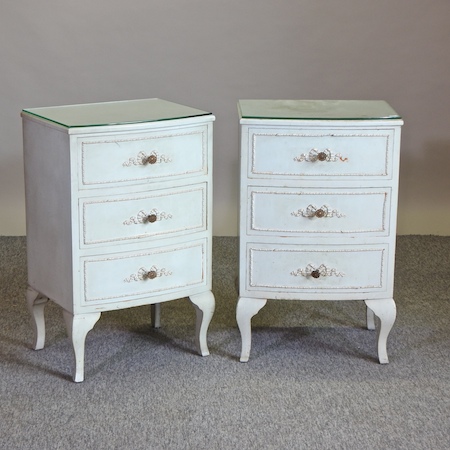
pixel 317 272
pixel 312 211
pixel 142 159
pixel 147 217
pixel 323 156
pixel 147 274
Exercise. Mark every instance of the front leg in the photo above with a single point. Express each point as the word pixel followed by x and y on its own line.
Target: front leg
pixel 245 310
pixel 78 326
pixel 36 305
pixel 204 304
pixel 386 311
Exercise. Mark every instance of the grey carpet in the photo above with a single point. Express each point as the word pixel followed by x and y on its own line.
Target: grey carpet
pixel 312 382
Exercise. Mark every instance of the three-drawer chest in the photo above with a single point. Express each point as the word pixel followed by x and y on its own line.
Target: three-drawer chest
pixel 119 212
pixel 318 206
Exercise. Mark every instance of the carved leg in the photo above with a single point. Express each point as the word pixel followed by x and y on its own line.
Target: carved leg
pixel 204 304
pixel 386 311
pixel 370 319
pixel 156 315
pixel 78 327
pixel 36 305
pixel 246 309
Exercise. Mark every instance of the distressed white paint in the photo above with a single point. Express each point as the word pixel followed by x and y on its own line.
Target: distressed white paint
pixel 100 219
pixel 288 250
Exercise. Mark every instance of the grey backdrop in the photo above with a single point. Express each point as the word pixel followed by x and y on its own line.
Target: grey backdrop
pixel 209 53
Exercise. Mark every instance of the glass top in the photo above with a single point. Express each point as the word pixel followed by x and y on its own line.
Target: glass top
pixel 316 109
pixel 115 113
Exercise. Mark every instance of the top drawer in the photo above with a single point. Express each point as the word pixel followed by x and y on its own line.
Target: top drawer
pixel 142 157
pixel 350 153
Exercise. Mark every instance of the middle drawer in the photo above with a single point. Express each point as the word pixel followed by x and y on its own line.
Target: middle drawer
pixel 162 213
pixel 295 211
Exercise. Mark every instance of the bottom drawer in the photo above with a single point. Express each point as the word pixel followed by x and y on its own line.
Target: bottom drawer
pixel 123 276
pixel 323 269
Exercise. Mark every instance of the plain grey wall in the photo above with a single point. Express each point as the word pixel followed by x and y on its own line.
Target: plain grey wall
pixel 209 53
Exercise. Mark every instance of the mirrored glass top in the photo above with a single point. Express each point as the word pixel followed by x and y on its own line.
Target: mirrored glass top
pixel 115 113
pixel 316 109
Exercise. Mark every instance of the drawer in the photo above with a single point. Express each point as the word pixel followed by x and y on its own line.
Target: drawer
pixel 119 277
pixel 316 269
pixel 145 157
pixel 328 153
pixel 161 213
pixel 291 212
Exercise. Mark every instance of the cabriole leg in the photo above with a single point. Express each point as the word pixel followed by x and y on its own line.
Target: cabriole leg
pixel 386 311
pixel 245 310
pixel 78 327
pixel 36 305
pixel 204 304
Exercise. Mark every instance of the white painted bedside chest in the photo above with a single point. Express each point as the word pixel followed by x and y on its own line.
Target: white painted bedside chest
pixel 119 211
pixel 318 206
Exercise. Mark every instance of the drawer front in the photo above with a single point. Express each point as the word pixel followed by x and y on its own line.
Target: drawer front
pixel 162 213
pixel 119 277
pixel 291 212
pixel 329 153
pixel 142 157
pixel 317 269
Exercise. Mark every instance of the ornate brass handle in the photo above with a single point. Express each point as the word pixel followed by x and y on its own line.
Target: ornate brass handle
pixel 316 272
pixel 142 159
pixel 147 217
pixel 320 213
pixel 323 156
pixel 152 159
pixel 147 274
pixel 312 211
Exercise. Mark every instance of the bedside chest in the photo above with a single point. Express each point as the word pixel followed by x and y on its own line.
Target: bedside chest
pixel 119 211
pixel 318 206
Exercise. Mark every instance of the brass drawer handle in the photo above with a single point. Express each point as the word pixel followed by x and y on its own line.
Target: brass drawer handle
pixel 142 159
pixel 147 217
pixel 322 156
pixel 312 211
pixel 152 159
pixel 147 274
pixel 316 272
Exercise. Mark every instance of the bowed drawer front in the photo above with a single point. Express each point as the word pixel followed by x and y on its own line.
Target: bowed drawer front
pixel 146 157
pixel 160 213
pixel 121 277
pixel 293 212
pixel 318 206
pixel 278 268
pixel 284 153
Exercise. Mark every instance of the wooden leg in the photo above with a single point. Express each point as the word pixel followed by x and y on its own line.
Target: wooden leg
pixel 156 315
pixel 370 319
pixel 246 309
pixel 78 327
pixel 204 304
pixel 36 305
pixel 386 311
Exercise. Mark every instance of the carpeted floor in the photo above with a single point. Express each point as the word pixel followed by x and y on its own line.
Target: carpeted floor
pixel 312 382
